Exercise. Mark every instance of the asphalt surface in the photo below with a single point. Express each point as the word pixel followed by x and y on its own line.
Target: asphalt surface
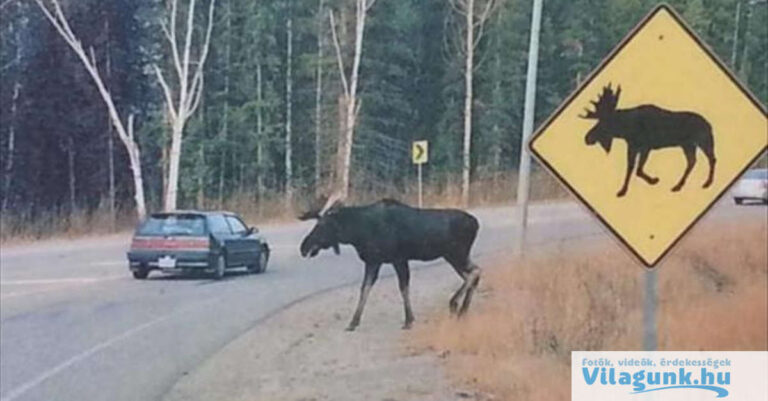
pixel 76 326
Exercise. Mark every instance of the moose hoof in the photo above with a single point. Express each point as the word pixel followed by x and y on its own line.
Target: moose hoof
pixel 621 193
pixel 677 188
pixel 706 184
pixel 351 327
pixel 653 180
pixel 407 325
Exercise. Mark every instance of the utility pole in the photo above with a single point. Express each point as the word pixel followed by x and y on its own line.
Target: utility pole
pixel 523 182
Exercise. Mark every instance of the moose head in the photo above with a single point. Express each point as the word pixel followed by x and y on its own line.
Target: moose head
pixel 325 234
pixel 605 109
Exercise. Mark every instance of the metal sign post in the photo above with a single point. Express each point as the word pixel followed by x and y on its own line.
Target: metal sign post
pixel 523 172
pixel 421 198
pixel 650 308
pixel 420 155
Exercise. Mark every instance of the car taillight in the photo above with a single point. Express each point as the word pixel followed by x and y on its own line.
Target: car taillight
pixel 174 243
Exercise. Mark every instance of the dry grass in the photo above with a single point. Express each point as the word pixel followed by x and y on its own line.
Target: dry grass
pixel 532 314
pixel 444 191
pixel 20 227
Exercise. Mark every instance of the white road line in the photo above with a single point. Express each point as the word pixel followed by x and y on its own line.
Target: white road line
pixel 20 390
pixel 25 293
pixel 66 280
pixel 53 285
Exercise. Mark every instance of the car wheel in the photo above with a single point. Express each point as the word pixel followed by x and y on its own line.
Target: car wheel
pixel 261 262
pixel 263 259
pixel 140 273
pixel 220 268
pixel 738 201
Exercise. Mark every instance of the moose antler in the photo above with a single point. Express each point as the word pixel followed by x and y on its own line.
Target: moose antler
pixel 314 210
pixel 606 103
pixel 330 202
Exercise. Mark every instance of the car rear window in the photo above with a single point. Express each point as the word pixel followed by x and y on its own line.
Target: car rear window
pixel 174 224
pixel 761 174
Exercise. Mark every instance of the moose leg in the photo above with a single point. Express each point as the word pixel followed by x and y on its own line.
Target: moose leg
pixel 460 265
pixel 371 274
pixel 641 173
pixel 690 157
pixel 709 151
pixel 631 157
pixel 453 304
pixel 403 279
pixel 473 278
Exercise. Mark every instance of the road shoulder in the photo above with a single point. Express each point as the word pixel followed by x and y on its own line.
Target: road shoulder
pixel 303 352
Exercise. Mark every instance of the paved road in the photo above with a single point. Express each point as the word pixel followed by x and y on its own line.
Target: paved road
pixel 75 326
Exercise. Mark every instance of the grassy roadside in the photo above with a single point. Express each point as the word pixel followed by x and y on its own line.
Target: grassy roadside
pixel 516 343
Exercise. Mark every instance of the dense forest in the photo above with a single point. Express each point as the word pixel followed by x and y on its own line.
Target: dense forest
pixel 280 83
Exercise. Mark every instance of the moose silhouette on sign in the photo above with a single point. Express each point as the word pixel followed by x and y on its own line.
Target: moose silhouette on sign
pixel 646 128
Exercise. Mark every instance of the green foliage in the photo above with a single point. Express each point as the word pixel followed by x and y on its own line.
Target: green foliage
pixel 411 88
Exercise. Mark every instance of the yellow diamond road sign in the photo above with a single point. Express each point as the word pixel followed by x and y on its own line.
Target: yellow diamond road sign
pixel 654 136
pixel 420 152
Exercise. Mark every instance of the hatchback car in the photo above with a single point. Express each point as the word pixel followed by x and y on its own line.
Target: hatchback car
pixel 752 186
pixel 189 241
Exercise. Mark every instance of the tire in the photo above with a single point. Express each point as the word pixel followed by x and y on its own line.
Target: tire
pixel 220 267
pixel 263 259
pixel 261 263
pixel 140 274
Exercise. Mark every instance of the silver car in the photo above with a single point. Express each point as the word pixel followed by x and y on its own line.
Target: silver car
pixel 752 186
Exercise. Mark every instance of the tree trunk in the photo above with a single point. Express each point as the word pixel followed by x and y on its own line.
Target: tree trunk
pixel 111 165
pixel 59 21
pixel 259 136
pixel 319 98
pixel 225 125
pixel 171 193
pixel 134 156
pixel 182 103
pixel 71 169
pixel 340 143
pixel 288 108
pixel 350 93
pixel 201 179
pixel 468 73
pixel 10 154
pixel 110 139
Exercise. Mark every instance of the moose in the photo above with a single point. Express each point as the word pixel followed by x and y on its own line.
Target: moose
pixel 391 232
pixel 646 128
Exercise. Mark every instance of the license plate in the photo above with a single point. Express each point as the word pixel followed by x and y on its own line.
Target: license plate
pixel 166 262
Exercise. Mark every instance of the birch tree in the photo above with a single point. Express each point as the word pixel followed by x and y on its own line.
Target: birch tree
pixel 289 105
pixel 475 13
pixel 55 15
pixel 349 92
pixel 319 93
pixel 10 155
pixel 184 98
